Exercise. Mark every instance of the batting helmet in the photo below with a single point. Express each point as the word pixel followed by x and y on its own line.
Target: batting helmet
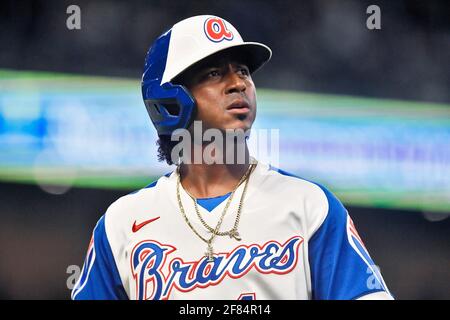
pixel 189 41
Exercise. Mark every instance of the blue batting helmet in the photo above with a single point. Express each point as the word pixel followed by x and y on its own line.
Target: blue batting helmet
pixel 169 105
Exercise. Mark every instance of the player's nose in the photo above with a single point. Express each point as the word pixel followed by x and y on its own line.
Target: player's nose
pixel 235 82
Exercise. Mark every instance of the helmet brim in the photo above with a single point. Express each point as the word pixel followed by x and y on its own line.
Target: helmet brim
pixel 253 54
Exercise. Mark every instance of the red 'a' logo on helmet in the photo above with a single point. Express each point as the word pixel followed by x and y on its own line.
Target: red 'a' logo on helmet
pixel 216 30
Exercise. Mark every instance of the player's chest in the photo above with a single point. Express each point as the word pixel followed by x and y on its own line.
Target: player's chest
pixel 168 255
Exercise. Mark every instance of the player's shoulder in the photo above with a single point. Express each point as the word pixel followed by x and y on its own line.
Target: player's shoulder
pixel 290 182
pixel 316 200
pixel 146 197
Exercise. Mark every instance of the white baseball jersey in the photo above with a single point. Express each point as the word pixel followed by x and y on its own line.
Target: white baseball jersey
pixel 298 242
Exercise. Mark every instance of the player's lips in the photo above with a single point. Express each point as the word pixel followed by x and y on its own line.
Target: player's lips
pixel 239 107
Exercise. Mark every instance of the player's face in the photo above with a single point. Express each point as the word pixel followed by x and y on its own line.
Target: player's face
pixel 224 92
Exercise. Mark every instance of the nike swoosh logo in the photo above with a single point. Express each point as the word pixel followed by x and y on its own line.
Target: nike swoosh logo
pixel 137 227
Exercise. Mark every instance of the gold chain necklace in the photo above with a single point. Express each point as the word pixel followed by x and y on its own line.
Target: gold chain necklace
pixel 215 232
pixel 232 233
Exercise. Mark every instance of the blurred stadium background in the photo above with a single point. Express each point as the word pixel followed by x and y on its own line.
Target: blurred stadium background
pixel 365 112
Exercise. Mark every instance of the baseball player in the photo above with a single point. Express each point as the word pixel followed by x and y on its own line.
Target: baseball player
pixel 232 230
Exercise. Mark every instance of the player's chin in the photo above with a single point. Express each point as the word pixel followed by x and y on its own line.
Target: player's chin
pixel 240 124
pixel 241 121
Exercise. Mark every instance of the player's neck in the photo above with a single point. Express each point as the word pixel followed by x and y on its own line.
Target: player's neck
pixel 213 180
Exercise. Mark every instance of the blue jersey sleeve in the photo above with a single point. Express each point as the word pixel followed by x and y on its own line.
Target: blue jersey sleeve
pixel 99 279
pixel 341 267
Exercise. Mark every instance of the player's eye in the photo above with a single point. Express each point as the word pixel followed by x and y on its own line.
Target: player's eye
pixel 244 71
pixel 213 73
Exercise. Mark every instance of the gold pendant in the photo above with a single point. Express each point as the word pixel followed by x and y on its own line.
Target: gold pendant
pixel 234 234
pixel 209 254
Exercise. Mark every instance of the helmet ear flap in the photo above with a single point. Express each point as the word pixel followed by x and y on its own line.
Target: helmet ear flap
pixel 163 108
pixel 169 106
